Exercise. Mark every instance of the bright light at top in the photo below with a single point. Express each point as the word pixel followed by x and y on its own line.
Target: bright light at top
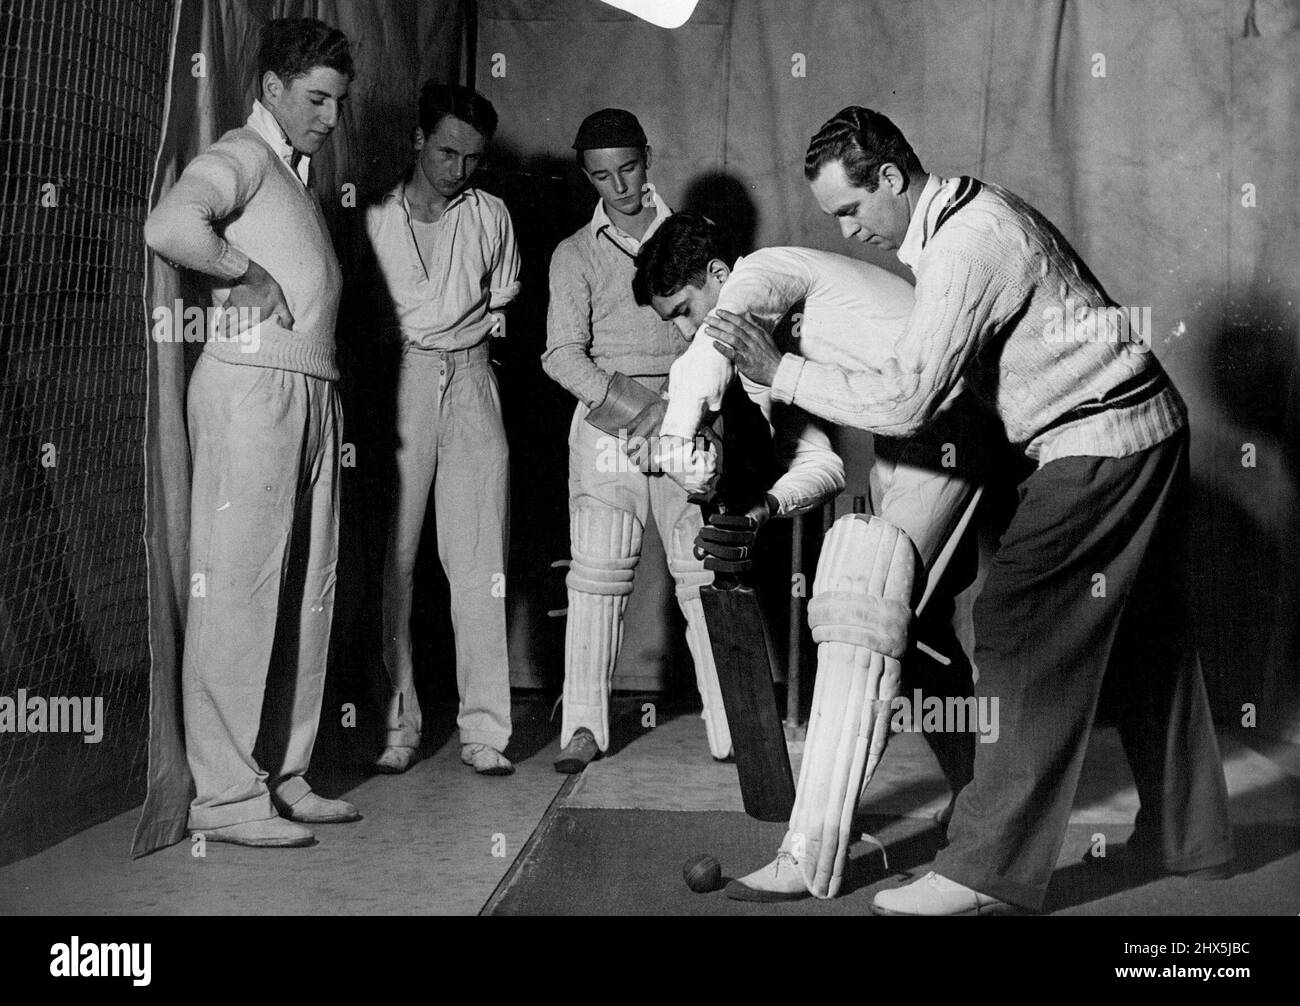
pixel 664 13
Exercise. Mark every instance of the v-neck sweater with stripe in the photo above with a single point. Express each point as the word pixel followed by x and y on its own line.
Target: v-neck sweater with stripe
pixel 1007 309
pixel 239 201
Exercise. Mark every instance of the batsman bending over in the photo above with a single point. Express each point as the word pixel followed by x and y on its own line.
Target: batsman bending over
pixel 873 568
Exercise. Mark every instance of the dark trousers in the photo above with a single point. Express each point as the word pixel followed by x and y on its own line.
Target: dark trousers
pixel 1051 636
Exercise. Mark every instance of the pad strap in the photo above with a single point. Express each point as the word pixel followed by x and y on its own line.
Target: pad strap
pixel 877 623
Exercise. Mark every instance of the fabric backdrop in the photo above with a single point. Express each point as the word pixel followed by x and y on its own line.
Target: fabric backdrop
pixel 1159 137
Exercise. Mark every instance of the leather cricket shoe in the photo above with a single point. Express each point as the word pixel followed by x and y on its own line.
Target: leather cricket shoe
pixel 780 880
pixel 580 752
pixel 313 809
pixel 485 760
pixel 395 759
pixel 273 833
pixel 936 895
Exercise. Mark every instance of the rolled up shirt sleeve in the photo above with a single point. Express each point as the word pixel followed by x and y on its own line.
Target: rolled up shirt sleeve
pixel 568 331
pixel 504 282
pixel 813 472
pixel 959 301
pixel 181 227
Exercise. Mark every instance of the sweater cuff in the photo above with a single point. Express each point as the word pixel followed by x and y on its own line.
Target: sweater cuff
pixel 232 263
pixel 787 378
pixel 596 401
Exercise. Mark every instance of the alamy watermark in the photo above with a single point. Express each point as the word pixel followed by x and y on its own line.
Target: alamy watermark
pixel 178 323
pixel 667 455
pixel 75 959
pixel 57 714
pixel 1077 322
pixel 938 714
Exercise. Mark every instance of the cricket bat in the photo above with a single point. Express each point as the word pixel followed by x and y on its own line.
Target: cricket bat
pixel 742 647
pixel 742 653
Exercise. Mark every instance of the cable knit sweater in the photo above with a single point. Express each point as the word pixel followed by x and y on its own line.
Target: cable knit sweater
pixel 241 200
pixel 994 280
pixel 594 326
pixel 852 314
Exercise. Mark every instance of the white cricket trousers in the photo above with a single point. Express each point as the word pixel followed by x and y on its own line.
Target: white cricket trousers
pixel 451 440
pixel 263 550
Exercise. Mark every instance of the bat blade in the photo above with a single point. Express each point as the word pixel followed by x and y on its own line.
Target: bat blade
pixel 742 656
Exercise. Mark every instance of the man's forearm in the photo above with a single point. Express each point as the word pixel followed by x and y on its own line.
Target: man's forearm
pixel 180 229
pixel 954 305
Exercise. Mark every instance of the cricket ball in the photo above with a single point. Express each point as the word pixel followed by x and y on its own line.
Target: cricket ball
pixel 702 874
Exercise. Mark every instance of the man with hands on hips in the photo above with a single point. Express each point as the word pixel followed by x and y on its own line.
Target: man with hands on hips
pixel 265 428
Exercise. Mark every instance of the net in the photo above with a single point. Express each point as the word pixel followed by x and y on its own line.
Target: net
pixel 81 101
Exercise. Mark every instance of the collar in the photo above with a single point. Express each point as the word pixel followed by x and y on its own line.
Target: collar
pixel 600 222
pixel 909 252
pixel 397 195
pixel 264 124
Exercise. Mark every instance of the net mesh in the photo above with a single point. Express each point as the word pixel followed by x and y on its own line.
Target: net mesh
pixel 81 104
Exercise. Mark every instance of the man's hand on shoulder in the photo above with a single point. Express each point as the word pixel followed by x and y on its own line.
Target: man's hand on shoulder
pixel 258 290
pixel 748 346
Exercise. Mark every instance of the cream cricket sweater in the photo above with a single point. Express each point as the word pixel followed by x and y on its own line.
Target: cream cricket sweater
pixel 594 326
pixel 993 281
pixel 241 200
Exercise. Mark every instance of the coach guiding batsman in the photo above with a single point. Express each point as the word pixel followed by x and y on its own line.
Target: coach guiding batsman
pixel 1108 432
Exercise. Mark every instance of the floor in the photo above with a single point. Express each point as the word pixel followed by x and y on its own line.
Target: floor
pixel 441 840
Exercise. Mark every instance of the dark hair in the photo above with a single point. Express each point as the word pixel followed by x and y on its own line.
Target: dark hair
pixel 437 101
pixel 292 47
pixel 863 141
pixel 677 255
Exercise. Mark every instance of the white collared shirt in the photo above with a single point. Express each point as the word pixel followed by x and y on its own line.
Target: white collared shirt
pixel 263 122
pixel 445 282
pixel 909 252
pixel 600 222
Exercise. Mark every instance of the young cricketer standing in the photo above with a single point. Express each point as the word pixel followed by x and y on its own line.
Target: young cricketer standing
pixel 613 356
